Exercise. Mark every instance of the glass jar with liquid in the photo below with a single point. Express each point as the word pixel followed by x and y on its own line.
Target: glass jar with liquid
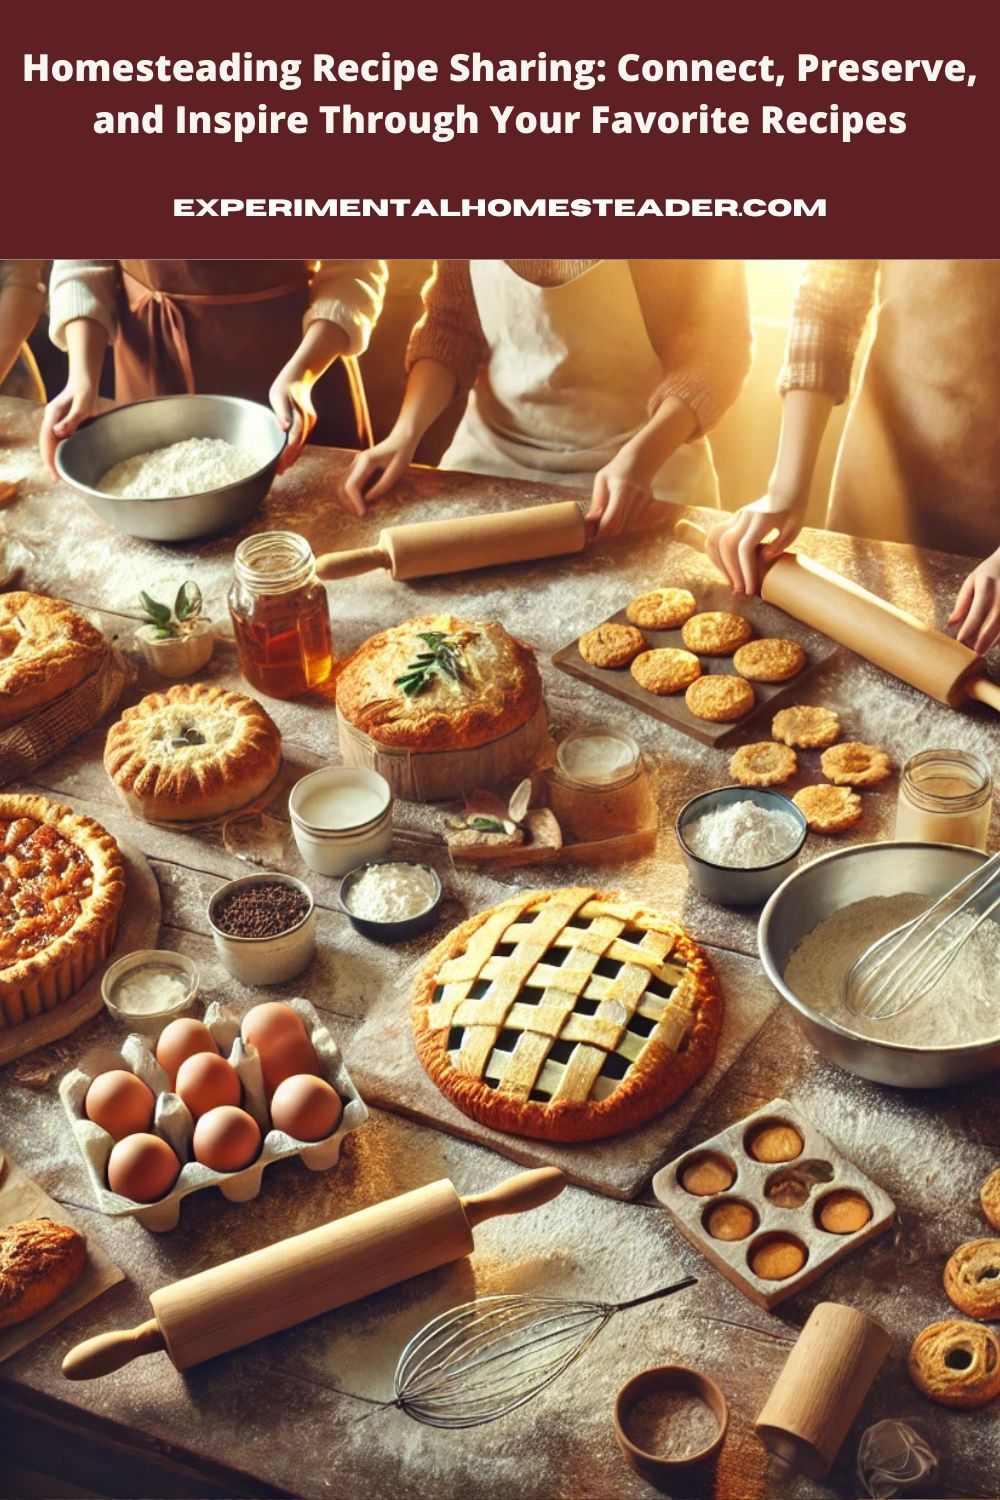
pixel 280 615
pixel 600 787
pixel 945 797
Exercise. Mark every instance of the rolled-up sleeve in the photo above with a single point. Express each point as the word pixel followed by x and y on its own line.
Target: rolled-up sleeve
pixel 697 315
pixel 831 304
pixel 349 293
pixel 449 330
pixel 83 289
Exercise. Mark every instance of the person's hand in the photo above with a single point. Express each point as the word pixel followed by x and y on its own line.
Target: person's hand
pixel 977 608
pixel 737 547
pixel 374 472
pixel 63 415
pixel 621 496
pixel 291 402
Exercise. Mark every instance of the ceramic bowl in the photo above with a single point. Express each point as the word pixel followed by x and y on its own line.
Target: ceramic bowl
pixel 177 656
pixel 265 960
pixel 725 884
pixel 392 932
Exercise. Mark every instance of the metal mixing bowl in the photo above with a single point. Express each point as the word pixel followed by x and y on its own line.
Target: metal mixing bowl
pixel 85 457
pixel 836 880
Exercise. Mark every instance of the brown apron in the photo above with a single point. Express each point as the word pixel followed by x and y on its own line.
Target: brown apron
pixel 226 327
pixel 920 457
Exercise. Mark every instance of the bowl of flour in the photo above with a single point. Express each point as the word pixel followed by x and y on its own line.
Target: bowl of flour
pixel 824 916
pixel 175 467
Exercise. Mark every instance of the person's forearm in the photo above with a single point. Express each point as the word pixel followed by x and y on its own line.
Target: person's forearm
pixel 803 422
pixel 86 343
pixel 322 343
pixel 672 424
pixel 19 310
pixel 430 387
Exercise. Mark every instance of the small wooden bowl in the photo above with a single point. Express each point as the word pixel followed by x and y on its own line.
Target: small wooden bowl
pixel 659 1467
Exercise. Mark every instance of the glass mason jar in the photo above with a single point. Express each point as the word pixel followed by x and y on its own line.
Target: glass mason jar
pixel 599 786
pixel 945 797
pixel 280 615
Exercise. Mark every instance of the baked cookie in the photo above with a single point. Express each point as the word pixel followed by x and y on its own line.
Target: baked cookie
pixel 46 649
pixel 611 645
pixel 989 1197
pixel 716 633
pixel 707 1174
pixel 828 809
pixel 778 1258
pixel 730 1221
pixel 39 1260
pixel 805 727
pixel 956 1364
pixel 972 1279
pixel 771 659
pixel 773 1142
pixel 720 699
pixel 763 764
pixel 855 764
pixel 665 670
pixel 661 609
pixel 844 1211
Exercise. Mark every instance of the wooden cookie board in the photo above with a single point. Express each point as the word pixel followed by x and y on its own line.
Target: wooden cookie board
pixel 731 1257
pixel 671 708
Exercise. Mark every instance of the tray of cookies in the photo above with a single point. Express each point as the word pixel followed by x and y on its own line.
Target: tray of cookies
pixel 772 1203
pixel 697 663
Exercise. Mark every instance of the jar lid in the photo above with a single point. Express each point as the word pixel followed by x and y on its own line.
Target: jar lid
pixel 599 757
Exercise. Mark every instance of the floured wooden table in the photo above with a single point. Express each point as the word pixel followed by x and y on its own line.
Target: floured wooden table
pixel 298 1414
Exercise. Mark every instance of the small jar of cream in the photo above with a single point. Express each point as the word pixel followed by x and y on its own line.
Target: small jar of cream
pixel 600 787
pixel 945 797
pixel 341 817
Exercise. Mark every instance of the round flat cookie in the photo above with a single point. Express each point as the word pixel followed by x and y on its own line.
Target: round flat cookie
pixel 972 1279
pixel 661 609
pixel 716 633
pixel 956 1364
pixel 828 809
pixel 770 659
pixel 844 1211
pixel 611 645
pixel 855 764
pixel 665 670
pixel 805 727
pixel 731 1221
pixel 720 699
pixel 778 1258
pixel 763 764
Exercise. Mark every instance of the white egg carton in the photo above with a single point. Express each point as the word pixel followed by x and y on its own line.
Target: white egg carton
pixel 174 1122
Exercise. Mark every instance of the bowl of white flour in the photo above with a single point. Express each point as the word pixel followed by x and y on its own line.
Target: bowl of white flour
pixel 175 467
pixel 824 916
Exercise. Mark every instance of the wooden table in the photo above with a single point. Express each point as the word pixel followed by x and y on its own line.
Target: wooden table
pixel 285 1416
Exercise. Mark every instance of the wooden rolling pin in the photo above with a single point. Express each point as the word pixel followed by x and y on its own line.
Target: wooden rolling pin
pixel 248 1298
pixel 459 545
pixel 898 642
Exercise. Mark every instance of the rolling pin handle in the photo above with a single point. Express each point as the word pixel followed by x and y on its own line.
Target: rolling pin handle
pixel 110 1351
pixel 515 1196
pixel 984 690
pixel 691 534
pixel 333 565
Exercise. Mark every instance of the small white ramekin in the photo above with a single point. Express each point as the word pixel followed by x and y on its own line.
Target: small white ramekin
pixel 336 850
pixel 150 1023
pixel 265 960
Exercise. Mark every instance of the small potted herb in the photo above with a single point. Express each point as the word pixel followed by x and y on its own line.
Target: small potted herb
pixel 176 639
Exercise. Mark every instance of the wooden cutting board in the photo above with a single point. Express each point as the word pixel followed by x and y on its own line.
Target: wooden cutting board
pixel 671 708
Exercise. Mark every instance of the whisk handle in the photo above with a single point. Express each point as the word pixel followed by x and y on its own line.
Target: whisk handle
pixel 663 1291
pixel 515 1196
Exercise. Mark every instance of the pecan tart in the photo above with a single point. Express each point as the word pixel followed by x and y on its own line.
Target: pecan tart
pixel 439 683
pixel 62 883
pixel 46 649
pixel 194 752
pixel 567 1015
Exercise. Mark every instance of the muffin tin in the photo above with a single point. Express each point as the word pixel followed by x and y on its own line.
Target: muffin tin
pixel 173 1121
pixel 805 1182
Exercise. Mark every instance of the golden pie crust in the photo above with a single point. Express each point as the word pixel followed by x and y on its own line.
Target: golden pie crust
pixel 192 753
pixel 566 1015
pixel 62 883
pixel 46 649
pixel 956 1363
pixel 499 690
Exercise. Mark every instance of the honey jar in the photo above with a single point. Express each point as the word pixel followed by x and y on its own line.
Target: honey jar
pixel 280 615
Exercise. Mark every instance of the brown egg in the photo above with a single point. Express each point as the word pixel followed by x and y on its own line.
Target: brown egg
pixel 280 1036
pixel 307 1108
pixel 226 1139
pixel 205 1080
pixel 120 1103
pixel 143 1168
pixel 271 1020
pixel 180 1040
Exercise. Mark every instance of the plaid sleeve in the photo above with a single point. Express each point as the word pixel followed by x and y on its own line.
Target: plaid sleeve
pixel 831 304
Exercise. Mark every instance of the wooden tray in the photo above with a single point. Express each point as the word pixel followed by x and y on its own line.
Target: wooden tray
pixel 671 709
pixel 818 1155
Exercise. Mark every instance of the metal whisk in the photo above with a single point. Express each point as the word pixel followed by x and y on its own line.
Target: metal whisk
pixel 480 1360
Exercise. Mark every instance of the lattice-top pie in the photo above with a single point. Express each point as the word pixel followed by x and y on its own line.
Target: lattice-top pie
pixel 62 883
pixel 46 649
pixel 194 752
pixel 566 1015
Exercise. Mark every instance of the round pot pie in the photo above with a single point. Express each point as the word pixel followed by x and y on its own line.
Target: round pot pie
pixel 439 683
pixel 62 883
pixel 566 1015
pixel 46 649
pixel 194 752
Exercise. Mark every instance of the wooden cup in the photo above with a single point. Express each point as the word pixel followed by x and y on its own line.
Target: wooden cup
pixel 660 1468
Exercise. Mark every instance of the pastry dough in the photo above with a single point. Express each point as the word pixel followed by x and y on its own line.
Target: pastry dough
pixel 194 752
pixel 46 649
pixel 566 1015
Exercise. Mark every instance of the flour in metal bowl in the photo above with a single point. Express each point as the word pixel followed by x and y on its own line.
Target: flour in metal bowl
pixel 192 467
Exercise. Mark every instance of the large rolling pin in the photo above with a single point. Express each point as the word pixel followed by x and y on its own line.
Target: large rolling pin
pixel 898 642
pixel 248 1298
pixel 457 545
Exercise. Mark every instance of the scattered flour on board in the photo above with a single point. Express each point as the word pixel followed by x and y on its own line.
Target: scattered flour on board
pixel 192 467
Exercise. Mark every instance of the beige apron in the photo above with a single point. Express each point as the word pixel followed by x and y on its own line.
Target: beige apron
pixel 920 457
pixel 570 372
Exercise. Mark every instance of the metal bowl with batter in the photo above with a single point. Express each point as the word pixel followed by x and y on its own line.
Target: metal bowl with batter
pixel 815 892
pixel 85 457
